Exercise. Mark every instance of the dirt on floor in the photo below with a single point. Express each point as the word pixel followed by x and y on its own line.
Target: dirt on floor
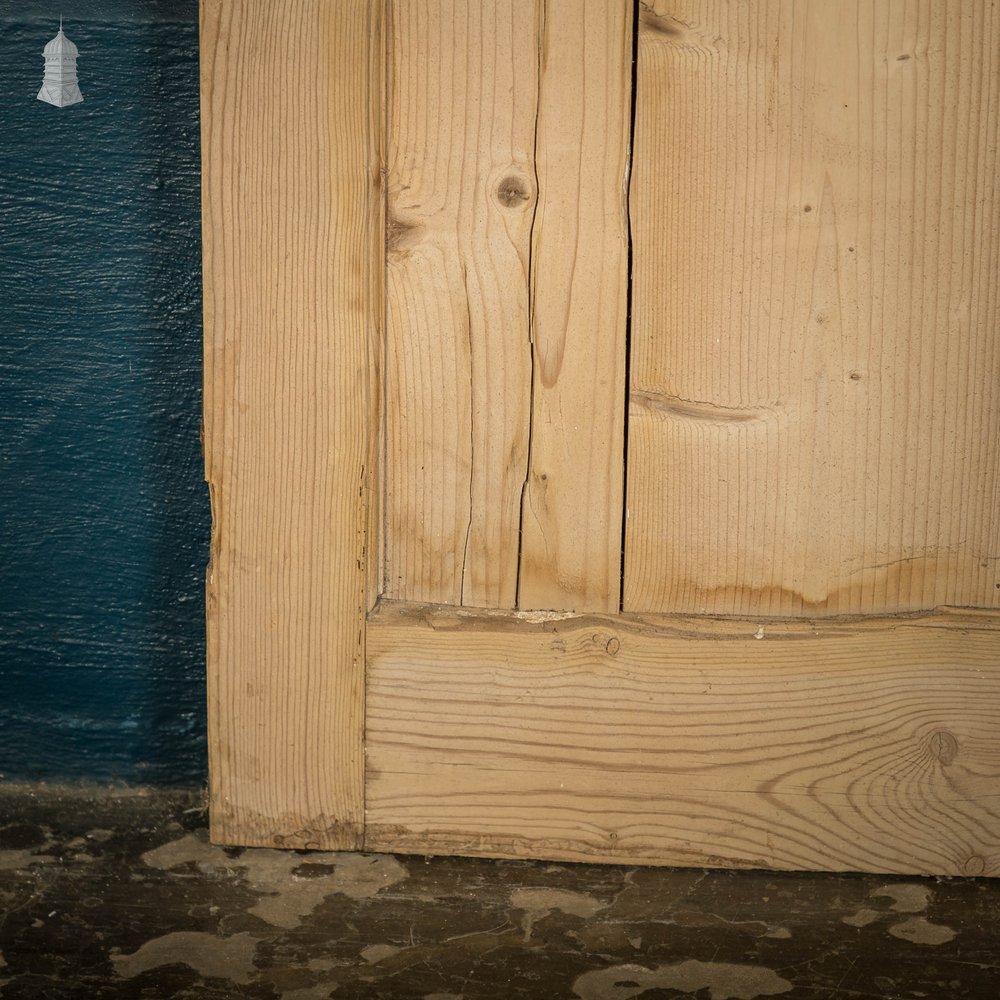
pixel 119 894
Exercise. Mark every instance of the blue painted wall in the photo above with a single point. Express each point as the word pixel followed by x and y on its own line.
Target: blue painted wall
pixel 104 520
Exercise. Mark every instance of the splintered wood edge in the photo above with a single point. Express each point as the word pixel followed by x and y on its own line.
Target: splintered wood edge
pixel 439 617
pixel 867 745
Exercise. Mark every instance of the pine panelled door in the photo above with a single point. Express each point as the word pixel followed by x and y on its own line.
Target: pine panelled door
pixel 602 424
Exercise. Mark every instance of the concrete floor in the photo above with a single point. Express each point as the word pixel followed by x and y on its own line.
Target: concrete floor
pixel 121 896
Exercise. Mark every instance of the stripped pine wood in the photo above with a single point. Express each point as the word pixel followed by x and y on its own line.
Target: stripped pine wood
pixel 687 742
pixel 374 477
pixel 461 196
pixel 572 507
pixel 815 362
pixel 413 214
pixel 288 187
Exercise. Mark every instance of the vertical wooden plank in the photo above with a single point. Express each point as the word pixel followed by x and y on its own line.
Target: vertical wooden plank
pixel 461 194
pixel 375 459
pixel 815 405
pixel 288 253
pixel 572 505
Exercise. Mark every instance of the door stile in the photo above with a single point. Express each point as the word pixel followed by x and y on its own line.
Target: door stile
pixel 291 192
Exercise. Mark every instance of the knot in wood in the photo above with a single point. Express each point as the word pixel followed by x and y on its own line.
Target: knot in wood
pixel 399 235
pixel 944 746
pixel 512 191
pixel 974 865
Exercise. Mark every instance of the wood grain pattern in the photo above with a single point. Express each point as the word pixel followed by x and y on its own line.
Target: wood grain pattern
pixel 461 196
pixel 572 509
pixel 287 140
pixel 815 414
pixel 688 742
pixel 375 460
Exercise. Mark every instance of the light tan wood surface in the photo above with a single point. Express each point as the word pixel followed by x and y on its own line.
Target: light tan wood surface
pixel 374 477
pixel 506 295
pixel 815 405
pixel 415 256
pixel 572 508
pixel 687 742
pixel 461 194
pixel 287 140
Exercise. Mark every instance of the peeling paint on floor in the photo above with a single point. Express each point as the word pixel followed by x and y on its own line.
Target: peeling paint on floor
pixel 376 952
pixel 922 931
pixel 11 861
pixel 862 918
pixel 906 897
pixel 538 903
pixel 722 980
pixel 291 886
pixel 112 899
pixel 208 954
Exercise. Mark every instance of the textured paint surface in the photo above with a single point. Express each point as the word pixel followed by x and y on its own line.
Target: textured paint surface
pixel 104 514
pixel 118 898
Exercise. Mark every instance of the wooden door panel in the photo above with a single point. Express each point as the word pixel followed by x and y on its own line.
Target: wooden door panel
pixel 461 112
pixel 415 268
pixel 571 517
pixel 815 409
pixel 506 278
